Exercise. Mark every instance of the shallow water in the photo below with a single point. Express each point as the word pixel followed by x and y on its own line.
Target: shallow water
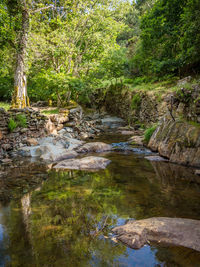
pixel 50 218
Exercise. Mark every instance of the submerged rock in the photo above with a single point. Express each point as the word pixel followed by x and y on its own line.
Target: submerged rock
pixel 94 147
pixel 172 231
pixel 87 163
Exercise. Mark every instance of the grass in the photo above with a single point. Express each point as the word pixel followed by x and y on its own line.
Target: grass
pixel 5 105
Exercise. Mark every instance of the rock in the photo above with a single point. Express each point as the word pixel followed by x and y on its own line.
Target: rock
pixel 6 160
pixel 1 135
pixel 30 151
pixel 32 142
pixel 6 147
pixel 50 127
pixel 178 141
pixel 52 148
pixel 172 231
pixel 125 132
pixel 24 130
pixel 184 81
pixel 94 147
pixel 87 163
pixel 113 122
pixel 136 140
pixel 59 118
pixel 67 155
pixel 155 158
pixel 197 172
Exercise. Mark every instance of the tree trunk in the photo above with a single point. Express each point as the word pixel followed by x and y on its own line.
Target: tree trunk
pixel 20 98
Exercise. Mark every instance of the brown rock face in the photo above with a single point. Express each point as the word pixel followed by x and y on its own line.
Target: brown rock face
pixel 94 147
pixel 172 231
pixel 178 141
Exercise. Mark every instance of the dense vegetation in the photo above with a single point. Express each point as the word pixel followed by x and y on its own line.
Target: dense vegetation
pixel 75 47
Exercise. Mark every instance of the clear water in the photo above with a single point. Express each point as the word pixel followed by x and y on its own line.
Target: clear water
pixel 64 218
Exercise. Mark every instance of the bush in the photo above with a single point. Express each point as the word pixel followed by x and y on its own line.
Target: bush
pixel 148 133
pixel 12 125
pixel 21 120
pixel 136 101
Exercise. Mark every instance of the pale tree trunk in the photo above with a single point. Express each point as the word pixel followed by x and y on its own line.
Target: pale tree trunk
pixel 20 98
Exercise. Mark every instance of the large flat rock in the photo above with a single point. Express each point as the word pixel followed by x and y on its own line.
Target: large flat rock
pixel 94 147
pixel 87 163
pixel 172 231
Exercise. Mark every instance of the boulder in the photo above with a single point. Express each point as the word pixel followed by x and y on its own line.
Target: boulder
pixel 172 231
pixel 179 141
pixel 52 148
pixel 94 147
pixel 87 163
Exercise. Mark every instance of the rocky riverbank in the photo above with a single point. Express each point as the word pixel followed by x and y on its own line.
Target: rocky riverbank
pixel 175 111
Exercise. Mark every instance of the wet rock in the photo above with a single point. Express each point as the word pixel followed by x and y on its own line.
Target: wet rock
pixel 87 163
pixel 94 147
pixel 172 231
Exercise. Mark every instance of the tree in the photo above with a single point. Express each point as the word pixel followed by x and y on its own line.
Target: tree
pixel 25 8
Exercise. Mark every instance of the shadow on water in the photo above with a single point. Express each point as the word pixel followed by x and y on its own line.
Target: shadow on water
pixel 66 220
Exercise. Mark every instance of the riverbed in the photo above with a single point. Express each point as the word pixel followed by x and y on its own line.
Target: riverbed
pixel 64 218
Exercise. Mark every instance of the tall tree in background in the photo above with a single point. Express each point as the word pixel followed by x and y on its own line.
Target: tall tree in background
pixel 25 8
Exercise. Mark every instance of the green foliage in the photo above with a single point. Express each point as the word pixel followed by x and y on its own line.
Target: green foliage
pixel 149 132
pixel 12 125
pixel 21 120
pixel 136 101
pixel 4 105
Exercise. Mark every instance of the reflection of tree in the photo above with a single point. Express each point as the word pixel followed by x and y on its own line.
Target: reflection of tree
pixel 74 210
pixel 70 216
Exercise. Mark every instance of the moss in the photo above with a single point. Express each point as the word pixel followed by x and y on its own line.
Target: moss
pixel 149 132
pixel 51 111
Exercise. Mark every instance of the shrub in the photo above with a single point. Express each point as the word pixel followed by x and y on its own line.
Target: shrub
pixel 21 120
pixel 136 101
pixel 149 132
pixel 12 125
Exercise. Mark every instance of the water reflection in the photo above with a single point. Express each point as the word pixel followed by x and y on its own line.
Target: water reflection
pixel 67 221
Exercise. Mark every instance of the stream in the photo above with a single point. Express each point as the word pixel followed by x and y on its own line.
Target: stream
pixel 64 218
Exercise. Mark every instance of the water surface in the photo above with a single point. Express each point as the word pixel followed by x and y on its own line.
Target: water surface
pixel 50 218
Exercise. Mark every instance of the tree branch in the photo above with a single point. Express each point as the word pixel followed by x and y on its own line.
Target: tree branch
pixel 42 8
